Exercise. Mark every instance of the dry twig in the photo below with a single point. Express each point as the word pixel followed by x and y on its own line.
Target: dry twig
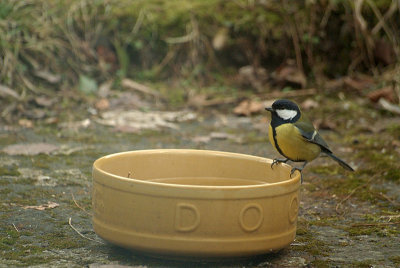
pixel 128 83
pixel 80 207
pixel 374 224
pixel 6 91
pixel 79 233
pixel 351 193
pixel 15 227
pixel 271 95
pixel 393 202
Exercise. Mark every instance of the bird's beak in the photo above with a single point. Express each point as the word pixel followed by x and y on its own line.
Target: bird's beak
pixel 269 109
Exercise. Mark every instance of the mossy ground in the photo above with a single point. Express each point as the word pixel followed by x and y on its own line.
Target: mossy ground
pixel 345 219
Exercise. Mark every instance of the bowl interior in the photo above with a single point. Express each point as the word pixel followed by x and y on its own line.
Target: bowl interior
pixel 193 167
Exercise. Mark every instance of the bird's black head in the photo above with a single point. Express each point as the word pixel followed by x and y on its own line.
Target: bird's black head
pixel 284 111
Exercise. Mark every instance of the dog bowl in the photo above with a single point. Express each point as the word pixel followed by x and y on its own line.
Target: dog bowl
pixel 186 203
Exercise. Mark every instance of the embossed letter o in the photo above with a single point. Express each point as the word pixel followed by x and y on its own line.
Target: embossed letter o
pixel 255 224
pixel 293 209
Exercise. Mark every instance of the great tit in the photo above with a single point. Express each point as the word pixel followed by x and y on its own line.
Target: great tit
pixel 295 137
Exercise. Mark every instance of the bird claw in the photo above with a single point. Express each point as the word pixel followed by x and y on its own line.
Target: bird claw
pixel 298 169
pixel 278 161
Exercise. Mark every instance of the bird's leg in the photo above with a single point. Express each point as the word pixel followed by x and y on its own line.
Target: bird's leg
pixel 300 169
pixel 277 161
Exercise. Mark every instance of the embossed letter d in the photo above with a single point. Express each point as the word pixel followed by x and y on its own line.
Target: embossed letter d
pixel 187 217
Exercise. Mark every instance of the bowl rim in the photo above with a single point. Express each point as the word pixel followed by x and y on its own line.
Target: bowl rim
pixel 295 179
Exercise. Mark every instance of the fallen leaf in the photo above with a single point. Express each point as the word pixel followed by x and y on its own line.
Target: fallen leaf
pixel 202 139
pixel 37 113
pixel 255 77
pixel 49 205
pixel 77 124
pixel 220 135
pixel 325 124
pixel 359 83
pixel 242 108
pixel 51 120
pixel 106 54
pixel 309 104
pixel 128 101
pixel 87 85
pixel 256 107
pixel 44 101
pixel 25 123
pixel 102 104
pixel 334 84
pixel 66 149
pixel 220 39
pixel 6 91
pixel 134 121
pixel 49 77
pixel 346 149
pixel 386 92
pixel 289 73
pixel 396 143
pixel 129 83
pixel 248 107
pixel 197 100
pixel 105 88
pixel 43 180
pixel 30 149
pixel 216 136
pixel 388 106
pixel 384 52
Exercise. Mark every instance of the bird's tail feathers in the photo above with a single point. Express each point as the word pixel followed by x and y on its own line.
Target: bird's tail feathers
pixel 340 161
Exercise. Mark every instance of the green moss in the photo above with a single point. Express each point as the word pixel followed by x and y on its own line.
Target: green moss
pixel 379 156
pixel 392 174
pixel 325 221
pixel 4 182
pixel 19 249
pixel 28 255
pixel 25 181
pixel 358 230
pixel 363 264
pixel 41 164
pixel 308 243
pixel 373 224
pixel 395 259
pixel 60 240
pixel 326 170
pixel 5 191
pixel 254 137
pixel 43 161
pixel 314 247
pixel 9 238
pixel 320 263
pixel 301 231
pixel 7 139
pixel 11 170
pixel 394 130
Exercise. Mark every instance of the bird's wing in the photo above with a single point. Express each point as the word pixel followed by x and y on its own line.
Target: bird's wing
pixel 308 131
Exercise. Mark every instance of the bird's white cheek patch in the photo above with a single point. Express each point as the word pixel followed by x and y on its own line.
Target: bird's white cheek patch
pixel 286 114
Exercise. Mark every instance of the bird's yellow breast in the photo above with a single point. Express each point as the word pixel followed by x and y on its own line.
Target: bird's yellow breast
pixel 292 144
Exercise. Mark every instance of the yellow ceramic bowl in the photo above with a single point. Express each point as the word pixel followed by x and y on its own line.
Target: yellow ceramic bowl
pixel 194 203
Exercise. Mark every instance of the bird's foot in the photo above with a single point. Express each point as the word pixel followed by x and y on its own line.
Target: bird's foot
pixel 298 169
pixel 278 161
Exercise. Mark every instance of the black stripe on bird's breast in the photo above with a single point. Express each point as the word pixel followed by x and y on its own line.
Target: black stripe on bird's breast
pixel 276 141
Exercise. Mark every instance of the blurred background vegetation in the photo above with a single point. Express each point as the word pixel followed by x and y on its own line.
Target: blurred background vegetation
pixel 64 45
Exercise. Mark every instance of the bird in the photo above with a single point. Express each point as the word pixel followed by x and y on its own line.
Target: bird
pixel 293 135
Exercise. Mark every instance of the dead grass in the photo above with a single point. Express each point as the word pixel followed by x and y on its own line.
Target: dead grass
pixel 48 45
